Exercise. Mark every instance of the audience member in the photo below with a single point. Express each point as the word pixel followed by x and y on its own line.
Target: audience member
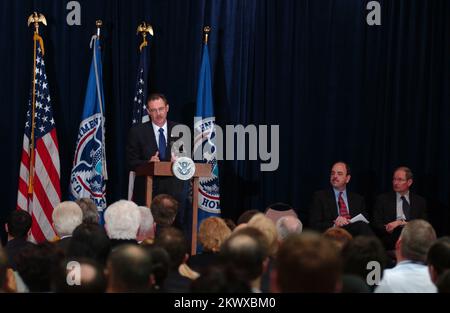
pixel 410 274
pixel 89 209
pixel 129 269
pixel 307 262
pixel 18 228
pixel 122 219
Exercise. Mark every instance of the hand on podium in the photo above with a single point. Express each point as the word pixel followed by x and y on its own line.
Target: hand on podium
pixel 155 158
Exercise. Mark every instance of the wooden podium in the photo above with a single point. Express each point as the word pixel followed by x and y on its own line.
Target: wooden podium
pixel 153 169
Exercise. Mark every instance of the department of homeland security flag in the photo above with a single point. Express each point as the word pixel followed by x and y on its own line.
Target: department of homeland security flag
pixel 209 196
pixel 88 177
pixel 39 182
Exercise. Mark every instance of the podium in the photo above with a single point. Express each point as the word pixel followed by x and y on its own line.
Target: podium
pixel 153 169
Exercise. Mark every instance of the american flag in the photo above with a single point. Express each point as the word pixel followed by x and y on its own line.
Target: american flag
pixel 39 181
pixel 140 114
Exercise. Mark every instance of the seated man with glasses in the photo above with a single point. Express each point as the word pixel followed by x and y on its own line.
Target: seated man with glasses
pixel 394 209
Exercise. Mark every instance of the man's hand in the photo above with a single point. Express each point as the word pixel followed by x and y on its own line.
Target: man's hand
pixel 155 158
pixel 173 157
pixel 393 225
pixel 341 221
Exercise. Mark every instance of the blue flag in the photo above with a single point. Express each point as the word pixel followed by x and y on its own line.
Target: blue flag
pixel 140 114
pixel 209 195
pixel 89 175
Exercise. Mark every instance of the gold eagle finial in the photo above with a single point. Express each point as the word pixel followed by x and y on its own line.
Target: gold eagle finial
pixel 36 19
pixel 143 29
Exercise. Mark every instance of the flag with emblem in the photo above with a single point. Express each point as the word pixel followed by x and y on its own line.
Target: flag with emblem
pixel 204 142
pixel 89 175
pixel 39 182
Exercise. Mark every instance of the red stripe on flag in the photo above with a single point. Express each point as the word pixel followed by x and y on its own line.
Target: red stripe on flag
pixel 36 230
pixel 54 137
pixel 49 165
pixel 25 159
pixel 42 197
pixel 23 187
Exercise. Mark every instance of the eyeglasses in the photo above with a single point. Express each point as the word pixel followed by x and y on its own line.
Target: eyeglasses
pixel 159 110
pixel 399 179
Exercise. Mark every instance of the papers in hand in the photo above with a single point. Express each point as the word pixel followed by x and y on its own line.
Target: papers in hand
pixel 359 218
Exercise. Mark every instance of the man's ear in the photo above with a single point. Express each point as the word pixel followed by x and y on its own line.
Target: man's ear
pixel 6 228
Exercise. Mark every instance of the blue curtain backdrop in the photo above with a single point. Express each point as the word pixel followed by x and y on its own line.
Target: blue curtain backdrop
pixel 375 96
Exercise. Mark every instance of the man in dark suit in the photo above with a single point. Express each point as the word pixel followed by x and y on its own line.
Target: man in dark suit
pixel 152 142
pixel 394 209
pixel 335 207
pixel 18 228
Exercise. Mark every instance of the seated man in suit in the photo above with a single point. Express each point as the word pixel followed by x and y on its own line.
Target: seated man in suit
pixel 152 142
pixel 334 207
pixel 394 209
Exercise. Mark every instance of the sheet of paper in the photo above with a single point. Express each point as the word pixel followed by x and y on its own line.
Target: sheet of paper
pixel 358 218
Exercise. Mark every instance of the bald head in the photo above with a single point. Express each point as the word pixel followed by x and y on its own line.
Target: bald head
pixel 287 225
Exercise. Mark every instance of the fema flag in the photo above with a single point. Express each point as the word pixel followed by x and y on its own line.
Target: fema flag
pixel 88 177
pixel 209 196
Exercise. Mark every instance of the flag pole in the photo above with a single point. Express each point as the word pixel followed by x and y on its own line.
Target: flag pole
pixel 34 18
pixel 143 29
pixel 206 31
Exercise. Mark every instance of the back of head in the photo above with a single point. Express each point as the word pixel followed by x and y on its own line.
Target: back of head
pixel 245 251
pixel 443 283
pixel 37 265
pixel 160 265
pixel 358 252
pixel 288 225
pixel 89 240
pixel 129 269
pixel 220 279
pixel 91 277
pixel 66 217
pixel 122 219
pixel 308 263
pixel 267 227
pixel 213 231
pixel 19 224
pixel 173 241
pixel 277 210
pixel 338 236
pixel 89 209
pixel 146 226
pixel 415 240
pixel 164 209
pixel 439 255
pixel 246 216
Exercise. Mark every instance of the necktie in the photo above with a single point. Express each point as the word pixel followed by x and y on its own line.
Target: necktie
pixel 162 144
pixel 342 207
pixel 406 208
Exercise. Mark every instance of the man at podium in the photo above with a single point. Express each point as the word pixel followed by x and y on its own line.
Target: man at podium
pixel 152 142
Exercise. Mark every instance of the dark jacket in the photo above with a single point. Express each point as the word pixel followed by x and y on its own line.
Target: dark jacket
pixel 324 209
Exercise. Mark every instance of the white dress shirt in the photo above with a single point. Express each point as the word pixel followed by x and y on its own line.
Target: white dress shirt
pixel 406 277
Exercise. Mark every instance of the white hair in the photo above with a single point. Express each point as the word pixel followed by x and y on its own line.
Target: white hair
pixel 288 225
pixel 146 225
pixel 122 219
pixel 66 217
